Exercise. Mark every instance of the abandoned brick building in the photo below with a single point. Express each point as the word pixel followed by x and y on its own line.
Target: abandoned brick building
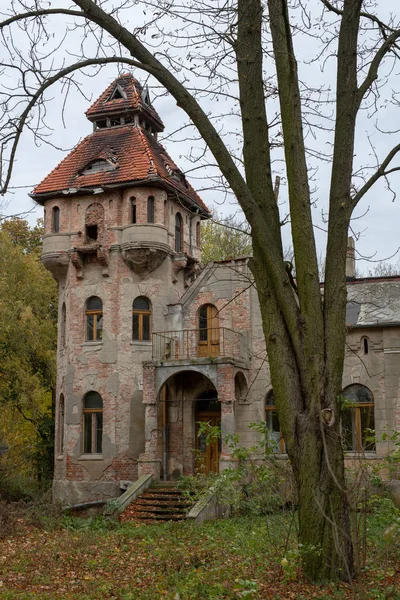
pixel 150 342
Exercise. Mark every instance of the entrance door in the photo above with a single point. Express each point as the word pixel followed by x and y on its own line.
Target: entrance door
pixel 208 344
pixel 207 455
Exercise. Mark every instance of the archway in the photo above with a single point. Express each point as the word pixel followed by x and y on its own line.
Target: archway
pixel 185 398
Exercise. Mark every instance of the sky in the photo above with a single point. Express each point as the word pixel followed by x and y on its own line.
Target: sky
pixel 376 230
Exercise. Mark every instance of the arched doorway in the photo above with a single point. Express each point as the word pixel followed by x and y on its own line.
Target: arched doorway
pixel 184 398
pixel 208 410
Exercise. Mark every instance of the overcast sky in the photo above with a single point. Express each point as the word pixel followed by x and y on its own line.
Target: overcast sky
pixel 378 229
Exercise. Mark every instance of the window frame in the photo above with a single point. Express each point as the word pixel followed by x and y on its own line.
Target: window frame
pixel 140 313
pixel 150 209
pixel 178 233
pixel 354 410
pixel 94 427
pixel 61 424
pixel 133 210
pixel 97 314
pixel 55 219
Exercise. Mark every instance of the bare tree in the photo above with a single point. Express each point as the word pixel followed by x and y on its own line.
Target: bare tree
pixel 243 51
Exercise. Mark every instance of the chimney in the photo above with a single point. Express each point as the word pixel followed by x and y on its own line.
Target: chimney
pixel 350 259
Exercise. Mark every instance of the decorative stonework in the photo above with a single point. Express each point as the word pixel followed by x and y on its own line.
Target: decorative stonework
pixel 143 260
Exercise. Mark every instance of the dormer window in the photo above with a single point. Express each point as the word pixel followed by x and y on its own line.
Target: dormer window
pixel 98 166
pixel 146 96
pixel 117 94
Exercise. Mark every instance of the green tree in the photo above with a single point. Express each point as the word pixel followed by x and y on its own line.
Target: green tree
pixel 304 332
pixel 29 239
pixel 28 335
pixel 223 238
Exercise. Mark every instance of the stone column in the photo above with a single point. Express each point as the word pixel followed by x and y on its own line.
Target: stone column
pixel 226 395
pixel 148 462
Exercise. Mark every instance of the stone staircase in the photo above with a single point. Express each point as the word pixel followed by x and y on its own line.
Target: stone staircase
pixel 161 502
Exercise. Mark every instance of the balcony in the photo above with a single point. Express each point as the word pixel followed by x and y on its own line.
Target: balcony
pixel 188 344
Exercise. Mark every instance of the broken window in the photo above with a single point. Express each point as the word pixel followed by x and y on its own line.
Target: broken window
pixel 91 233
pixel 98 166
pixel 276 442
pixel 117 94
pixel 92 423
pixel 94 222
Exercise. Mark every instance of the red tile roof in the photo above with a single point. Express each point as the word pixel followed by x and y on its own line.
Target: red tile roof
pixel 135 100
pixel 136 155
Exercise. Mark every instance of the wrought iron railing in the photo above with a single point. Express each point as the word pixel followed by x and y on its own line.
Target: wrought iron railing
pixel 198 343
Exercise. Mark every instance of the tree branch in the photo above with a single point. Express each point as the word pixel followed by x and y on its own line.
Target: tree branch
pixel 380 172
pixel 39 13
pixel 372 74
pixel 49 82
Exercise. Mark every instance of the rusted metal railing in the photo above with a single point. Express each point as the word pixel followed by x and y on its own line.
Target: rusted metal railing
pixel 198 343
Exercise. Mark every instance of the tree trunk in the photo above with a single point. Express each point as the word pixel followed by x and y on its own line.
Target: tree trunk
pixel 327 551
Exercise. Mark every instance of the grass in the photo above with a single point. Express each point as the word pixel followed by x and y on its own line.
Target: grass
pixel 233 559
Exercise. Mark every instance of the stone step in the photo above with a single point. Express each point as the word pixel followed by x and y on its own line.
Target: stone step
pixel 159 503
pixel 165 503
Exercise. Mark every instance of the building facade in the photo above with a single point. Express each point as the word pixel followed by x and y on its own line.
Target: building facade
pixel 151 342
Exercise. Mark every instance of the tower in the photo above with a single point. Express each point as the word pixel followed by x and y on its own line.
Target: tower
pixel 122 240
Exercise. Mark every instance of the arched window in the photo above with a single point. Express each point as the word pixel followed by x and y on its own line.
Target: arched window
pixel 61 420
pixel 92 423
pixel 55 226
pixel 150 209
pixel 358 418
pixel 178 233
pixel 365 345
pixel 275 439
pixel 133 210
pixel 141 316
pixel 198 237
pixel 208 344
pixel 63 325
pixel 94 319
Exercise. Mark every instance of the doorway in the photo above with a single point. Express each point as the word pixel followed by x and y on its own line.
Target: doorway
pixel 207 410
pixel 208 342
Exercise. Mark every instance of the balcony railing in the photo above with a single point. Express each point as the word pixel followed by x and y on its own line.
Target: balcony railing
pixel 198 343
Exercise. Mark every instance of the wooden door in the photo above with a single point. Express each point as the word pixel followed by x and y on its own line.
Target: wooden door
pixel 207 455
pixel 208 340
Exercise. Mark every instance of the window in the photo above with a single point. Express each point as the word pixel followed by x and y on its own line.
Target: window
pixel 94 319
pixel 63 325
pixel 92 423
pixel 198 238
pixel 55 226
pixel 178 233
pixel 133 210
pixel 358 418
pixel 365 345
pixel 141 314
pixel 165 213
pixel 61 418
pixel 275 439
pixel 150 209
